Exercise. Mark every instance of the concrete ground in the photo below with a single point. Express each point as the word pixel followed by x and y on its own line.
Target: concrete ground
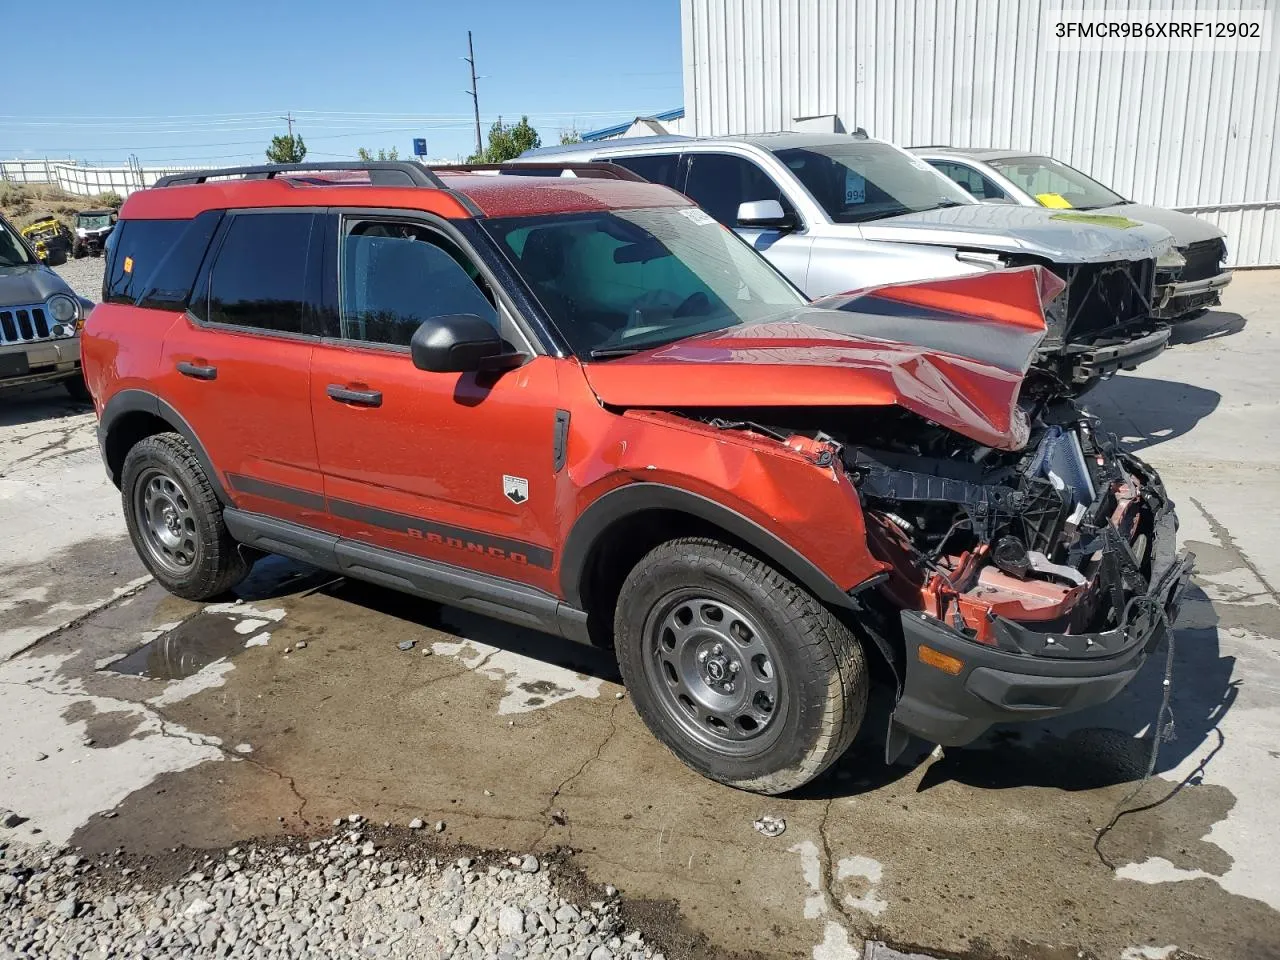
pixel 203 725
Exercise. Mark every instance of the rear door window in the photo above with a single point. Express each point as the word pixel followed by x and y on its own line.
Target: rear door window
pixel 982 187
pixel 260 277
pixel 721 182
pixel 656 168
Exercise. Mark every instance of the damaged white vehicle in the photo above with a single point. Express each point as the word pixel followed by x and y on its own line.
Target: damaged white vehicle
pixel 839 213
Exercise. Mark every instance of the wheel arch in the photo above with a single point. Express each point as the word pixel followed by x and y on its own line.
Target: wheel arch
pixel 625 523
pixel 134 415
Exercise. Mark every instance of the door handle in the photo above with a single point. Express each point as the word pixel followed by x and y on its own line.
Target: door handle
pixel 197 371
pixel 355 398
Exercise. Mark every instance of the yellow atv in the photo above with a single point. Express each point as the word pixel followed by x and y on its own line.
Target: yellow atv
pixel 50 239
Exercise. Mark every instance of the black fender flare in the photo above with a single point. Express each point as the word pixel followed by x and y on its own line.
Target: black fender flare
pixel 638 497
pixel 133 401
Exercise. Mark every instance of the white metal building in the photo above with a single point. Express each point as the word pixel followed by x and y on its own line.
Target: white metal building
pixel 1193 130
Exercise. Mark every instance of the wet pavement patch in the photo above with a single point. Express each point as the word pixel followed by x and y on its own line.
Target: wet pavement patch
pixel 184 650
pixel 180 650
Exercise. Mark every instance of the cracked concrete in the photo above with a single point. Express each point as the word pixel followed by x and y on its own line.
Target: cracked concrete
pixel 980 852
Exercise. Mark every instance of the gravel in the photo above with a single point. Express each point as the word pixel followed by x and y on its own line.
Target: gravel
pixel 84 276
pixel 331 897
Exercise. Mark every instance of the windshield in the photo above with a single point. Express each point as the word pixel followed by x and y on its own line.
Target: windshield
pixel 94 223
pixel 12 252
pixel 619 281
pixel 861 180
pixel 1055 184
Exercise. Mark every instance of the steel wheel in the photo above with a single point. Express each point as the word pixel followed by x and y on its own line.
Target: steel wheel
pixel 166 521
pixel 714 672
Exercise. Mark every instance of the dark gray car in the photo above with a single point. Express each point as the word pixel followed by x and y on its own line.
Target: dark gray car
pixel 1189 278
pixel 40 319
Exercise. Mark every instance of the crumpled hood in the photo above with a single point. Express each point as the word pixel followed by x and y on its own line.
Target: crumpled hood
pixel 952 351
pixel 1184 227
pixel 29 283
pixel 1064 236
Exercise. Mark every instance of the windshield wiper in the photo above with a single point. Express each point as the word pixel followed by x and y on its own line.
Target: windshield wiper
pixel 605 353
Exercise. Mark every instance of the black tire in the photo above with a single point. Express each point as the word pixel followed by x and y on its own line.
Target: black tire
pixel 77 389
pixel 78 251
pixel 188 510
pixel 815 665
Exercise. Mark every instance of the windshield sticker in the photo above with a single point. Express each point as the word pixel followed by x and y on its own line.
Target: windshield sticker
pixel 1054 200
pixel 855 188
pixel 697 215
pixel 1098 220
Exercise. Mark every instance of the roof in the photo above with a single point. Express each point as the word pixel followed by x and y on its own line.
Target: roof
pixel 509 196
pixel 976 153
pixel 767 141
pixel 465 195
pixel 604 133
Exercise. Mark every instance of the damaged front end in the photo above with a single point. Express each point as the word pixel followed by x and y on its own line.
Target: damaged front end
pixel 1025 584
pixel 1102 322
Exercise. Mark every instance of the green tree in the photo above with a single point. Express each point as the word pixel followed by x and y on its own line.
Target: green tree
pixel 382 154
pixel 507 141
pixel 286 149
pixel 570 136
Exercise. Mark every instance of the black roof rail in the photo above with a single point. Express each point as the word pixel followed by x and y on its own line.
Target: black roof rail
pixel 382 173
pixel 592 169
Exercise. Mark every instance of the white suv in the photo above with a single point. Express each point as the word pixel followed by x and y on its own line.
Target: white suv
pixel 837 213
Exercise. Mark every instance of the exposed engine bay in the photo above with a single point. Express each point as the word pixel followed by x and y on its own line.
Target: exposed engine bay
pixel 1059 536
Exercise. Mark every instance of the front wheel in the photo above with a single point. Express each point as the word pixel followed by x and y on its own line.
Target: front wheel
pixel 175 519
pixel 740 671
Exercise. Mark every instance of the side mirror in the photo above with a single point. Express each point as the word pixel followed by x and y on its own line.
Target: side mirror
pixel 764 213
pixel 458 343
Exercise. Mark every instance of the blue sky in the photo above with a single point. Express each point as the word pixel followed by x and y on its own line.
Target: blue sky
pixel 206 82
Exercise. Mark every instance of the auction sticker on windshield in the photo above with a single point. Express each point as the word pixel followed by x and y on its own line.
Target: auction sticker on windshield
pixel 698 215
pixel 855 187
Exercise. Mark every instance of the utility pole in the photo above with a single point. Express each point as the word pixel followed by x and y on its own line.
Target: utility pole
pixel 475 99
pixel 289 119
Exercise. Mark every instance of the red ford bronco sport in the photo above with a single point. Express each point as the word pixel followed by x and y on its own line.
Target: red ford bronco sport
pixel 580 404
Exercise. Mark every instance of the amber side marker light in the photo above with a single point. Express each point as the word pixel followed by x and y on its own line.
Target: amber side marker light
pixel 944 662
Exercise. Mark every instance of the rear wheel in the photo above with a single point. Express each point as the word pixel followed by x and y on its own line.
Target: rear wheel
pixel 740 671
pixel 175 519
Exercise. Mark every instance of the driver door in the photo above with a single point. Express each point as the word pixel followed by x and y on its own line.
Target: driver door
pixel 454 467
pixel 721 182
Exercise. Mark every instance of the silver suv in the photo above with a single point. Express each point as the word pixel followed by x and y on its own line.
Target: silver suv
pixel 40 320
pixel 837 213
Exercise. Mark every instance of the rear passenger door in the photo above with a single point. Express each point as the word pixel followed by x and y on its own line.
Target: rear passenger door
pixel 721 182
pixel 238 364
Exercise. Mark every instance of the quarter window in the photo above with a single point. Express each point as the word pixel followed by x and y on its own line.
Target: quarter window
pixel 397 275
pixel 259 279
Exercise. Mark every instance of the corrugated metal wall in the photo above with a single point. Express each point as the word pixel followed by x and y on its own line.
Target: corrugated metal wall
pixel 1195 131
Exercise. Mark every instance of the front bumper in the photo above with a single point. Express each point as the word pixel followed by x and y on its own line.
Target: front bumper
pixel 1099 361
pixel 1175 300
pixel 1032 675
pixel 39 361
